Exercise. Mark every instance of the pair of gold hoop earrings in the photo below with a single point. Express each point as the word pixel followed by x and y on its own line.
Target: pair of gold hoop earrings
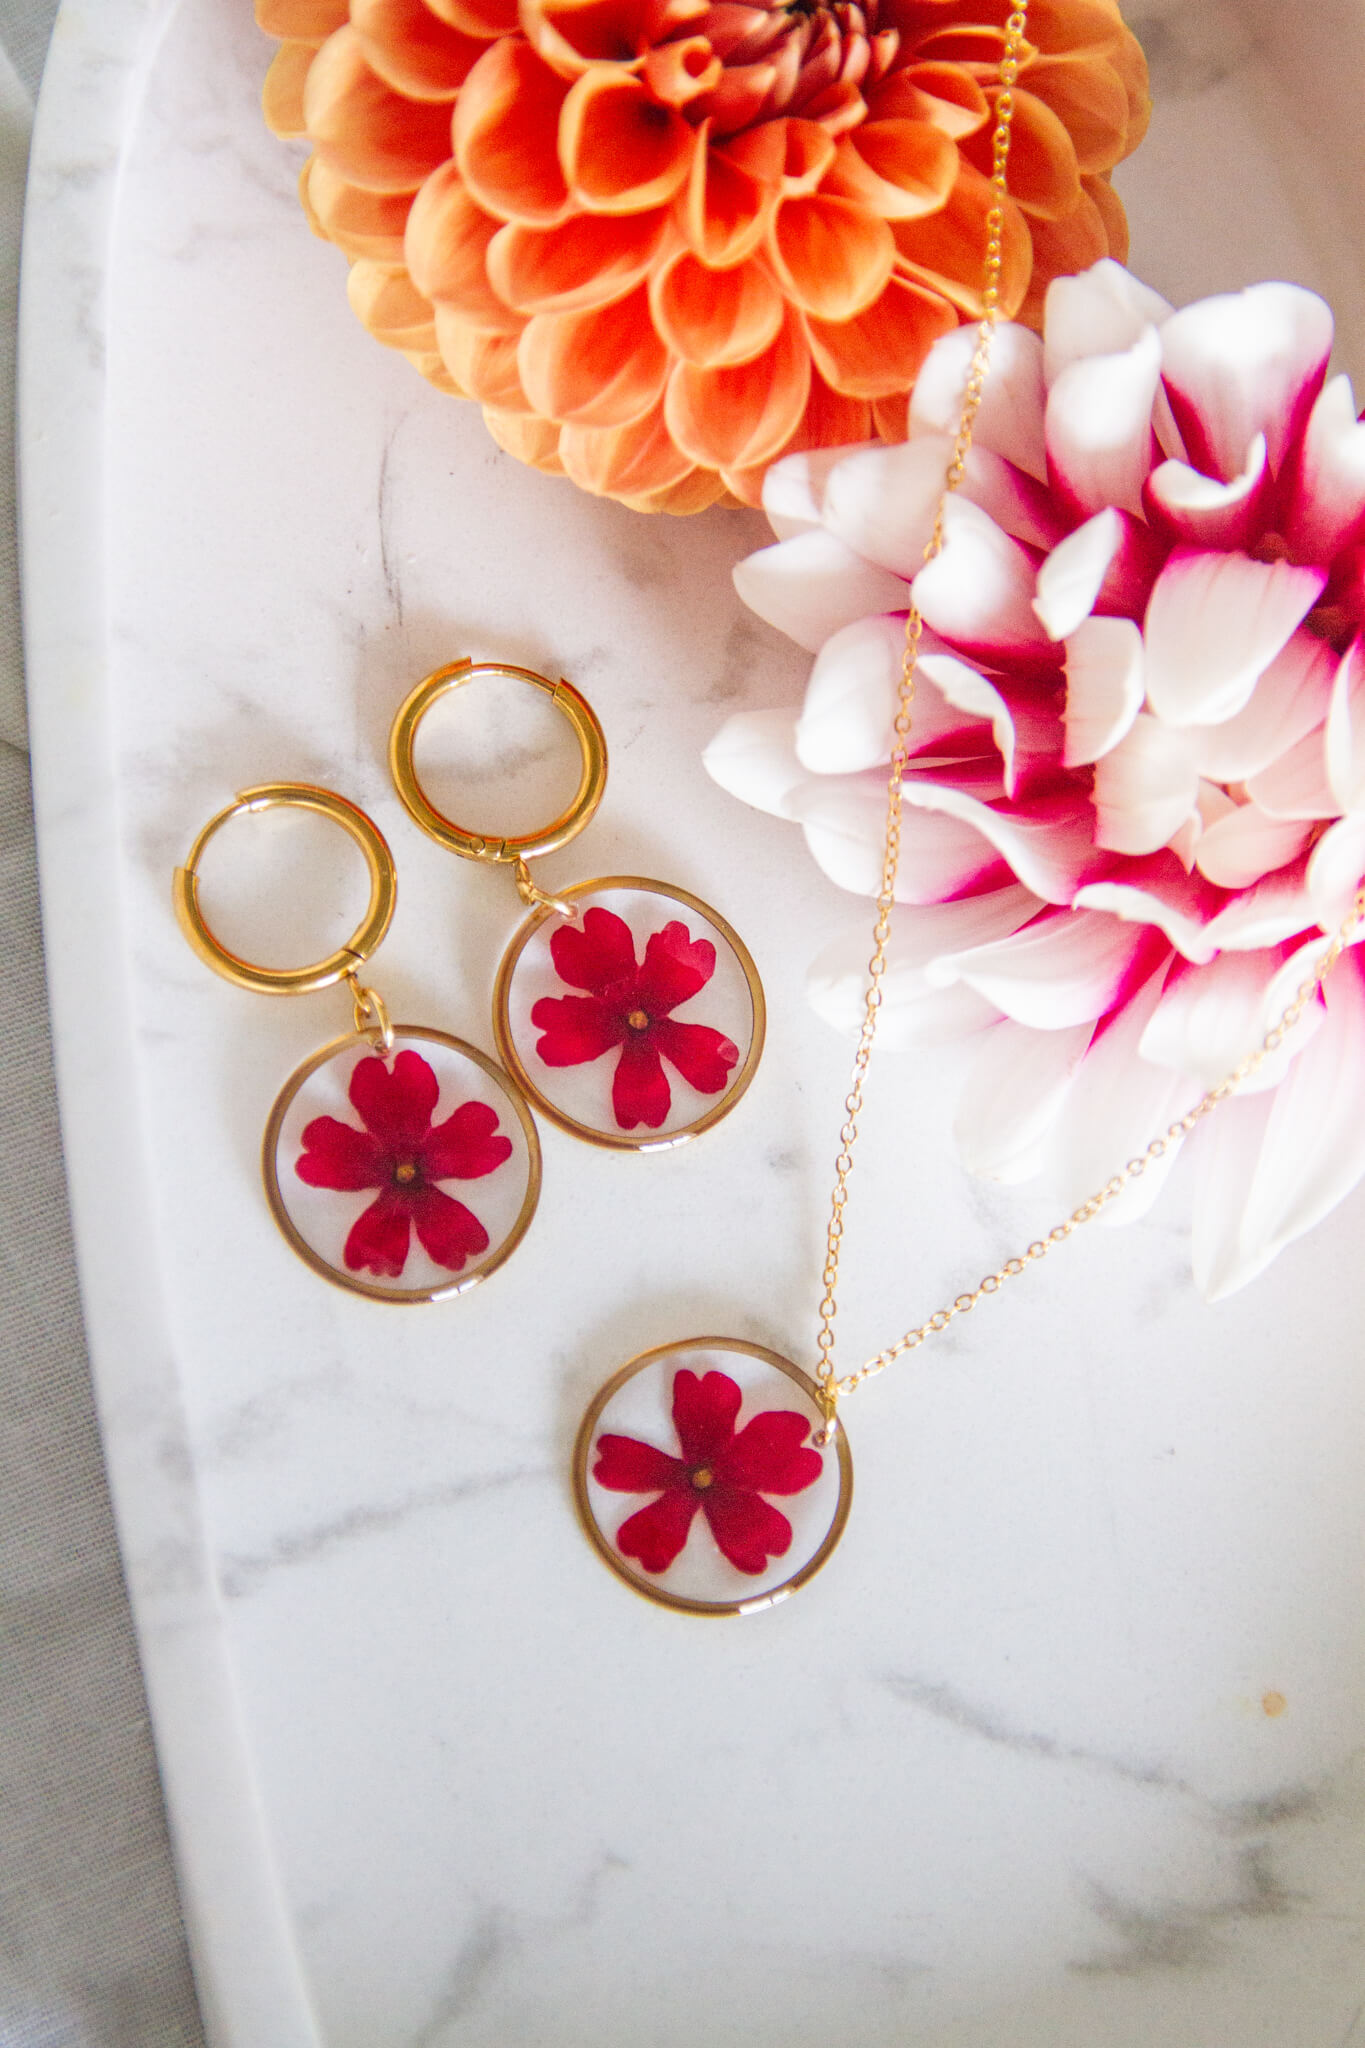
pixel 402 1162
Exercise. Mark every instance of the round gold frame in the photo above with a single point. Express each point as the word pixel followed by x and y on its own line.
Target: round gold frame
pixel 592 779
pixel 638 1582
pixel 353 1283
pixel 620 1141
pixel 291 981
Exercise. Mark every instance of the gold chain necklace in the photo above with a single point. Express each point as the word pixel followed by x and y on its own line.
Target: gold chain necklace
pixel 730 1475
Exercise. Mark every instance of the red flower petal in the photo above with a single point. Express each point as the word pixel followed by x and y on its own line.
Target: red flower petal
pixel 601 953
pixel 577 1028
pixel 449 1233
pixel 704 1414
pixel 768 1455
pixel 705 1058
pixel 395 1102
pixel 625 1465
pixel 466 1146
pixel 337 1155
pixel 748 1530
pixel 655 1534
pixel 675 966
pixel 378 1240
pixel 640 1093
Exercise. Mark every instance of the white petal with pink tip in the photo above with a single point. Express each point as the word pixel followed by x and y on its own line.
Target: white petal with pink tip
pixel 1327 501
pixel 1313 1150
pixel 1100 312
pixel 1247 844
pixel 979 591
pixel 1104 687
pixel 1011 1097
pixel 845 826
pixel 1243 364
pixel 810 586
pixel 1203 511
pixel 1099 427
pixel 1065 968
pixel 1210 1018
pixel 1345 757
pixel 1145 787
pixel 753 757
pixel 1011 417
pixel 1117 1104
pixel 1291 698
pixel 1214 625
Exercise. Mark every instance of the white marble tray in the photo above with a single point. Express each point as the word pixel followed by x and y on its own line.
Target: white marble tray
pixel 1061 1749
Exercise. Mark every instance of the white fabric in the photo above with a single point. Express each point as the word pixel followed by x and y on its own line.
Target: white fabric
pixel 92 1951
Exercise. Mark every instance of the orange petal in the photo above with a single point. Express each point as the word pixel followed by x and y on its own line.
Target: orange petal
pixel 971 43
pixel 282 92
pixel 573 35
pixel 368 134
pixel 600 368
pixel 891 416
pixel 1088 97
pixel 506 124
pixel 620 151
pixel 677 72
pixel 484 18
pixel 411 50
pixel 735 418
pixel 1043 174
pixel 387 302
pixel 724 209
pixel 433 368
pixel 829 421
pixel 696 493
pixel 898 169
pixel 361 223
pixel 304 21
pixel 946 250
pixel 484 365
pixel 1060 248
pixel 446 250
pixel 532 441
pixel 808 154
pixel 944 95
pixel 711 317
pixel 624 462
pixel 831 256
pixel 1109 206
pixel 880 351
pixel 588 260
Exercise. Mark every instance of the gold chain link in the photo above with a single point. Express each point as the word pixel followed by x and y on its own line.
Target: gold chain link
pixel 832 1388
pixel 1015 29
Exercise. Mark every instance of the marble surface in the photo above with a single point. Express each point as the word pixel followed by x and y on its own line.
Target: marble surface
pixel 1064 1745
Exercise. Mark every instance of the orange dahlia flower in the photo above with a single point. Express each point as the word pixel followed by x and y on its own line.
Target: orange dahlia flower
pixel 663 242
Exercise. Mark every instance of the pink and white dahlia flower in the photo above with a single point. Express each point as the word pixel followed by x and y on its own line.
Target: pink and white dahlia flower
pixel 1136 793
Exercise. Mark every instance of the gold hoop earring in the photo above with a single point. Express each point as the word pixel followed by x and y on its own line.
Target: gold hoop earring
pixel 366 1139
pixel 625 1025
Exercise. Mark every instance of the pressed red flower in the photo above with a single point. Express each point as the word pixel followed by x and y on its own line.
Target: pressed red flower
pixel 723 1472
pixel 629 1004
pixel 403 1154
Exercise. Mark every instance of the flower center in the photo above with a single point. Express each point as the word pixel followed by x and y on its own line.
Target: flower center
pixel 638 1020
pixel 405 1172
pixel 702 1478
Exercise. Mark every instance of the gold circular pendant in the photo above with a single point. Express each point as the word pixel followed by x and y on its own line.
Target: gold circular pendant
pixel 696 1480
pixel 407 1175
pixel 637 1025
